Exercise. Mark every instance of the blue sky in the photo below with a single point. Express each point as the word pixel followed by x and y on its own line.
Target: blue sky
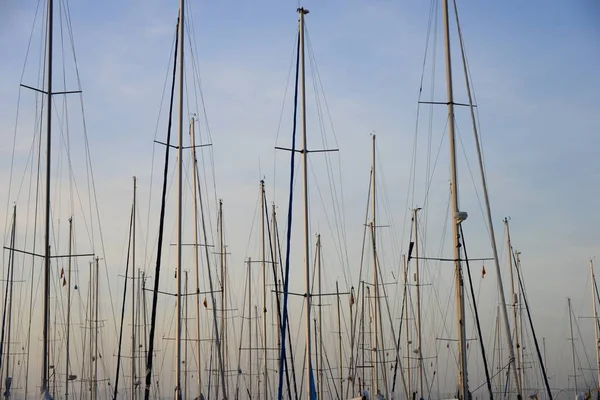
pixel 535 72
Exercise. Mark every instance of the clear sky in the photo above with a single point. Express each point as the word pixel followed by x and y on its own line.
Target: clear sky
pixel 534 67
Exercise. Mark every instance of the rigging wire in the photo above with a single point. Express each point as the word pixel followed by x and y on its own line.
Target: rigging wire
pixel 146 262
pixel 477 323
pixel 116 391
pixel 13 149
pixel 337 198
pixel 410 193
pixel 160 233
pixel 286 279
pixel 275 284
pixel 281 112
pixel 535 341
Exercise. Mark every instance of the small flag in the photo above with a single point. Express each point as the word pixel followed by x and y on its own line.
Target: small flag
pixel 64 281
pixel 62 273
pixel 205 303
pixel 483 272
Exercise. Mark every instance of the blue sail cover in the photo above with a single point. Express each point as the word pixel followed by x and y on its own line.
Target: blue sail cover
pixel 313 388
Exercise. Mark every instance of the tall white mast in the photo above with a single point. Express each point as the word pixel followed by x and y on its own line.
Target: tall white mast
pixel 418 287
pixel 257 347
pixel 185 373
pixel 371 341
pixel 140 319
pixel 375 274
pixel 307 299
pixel 490 222
pixel 264 281
pixel 93 332
pixel 498 347
pixel 133 294
pixel 521 353
pixel 178 266
pixel 515 304
pixel 339 318
pixel 96 327
pixel 91 321
pixel 364 291
pixel 594 300
pixel 219 349
pixel 457 218
pixel 351 369
pixel 196 254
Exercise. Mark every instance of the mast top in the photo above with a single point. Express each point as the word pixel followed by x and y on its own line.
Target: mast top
pixel 302 10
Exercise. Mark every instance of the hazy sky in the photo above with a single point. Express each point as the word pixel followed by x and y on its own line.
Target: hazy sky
pixel 534 67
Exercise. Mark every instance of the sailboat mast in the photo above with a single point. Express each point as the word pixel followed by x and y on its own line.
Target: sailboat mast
pixel 418 287
pixel 222 259
pixel 142 323
pixel 250 327
pixel 133 293
pixel 196 255
pixel 544 345
pixel 456 218
pixel 275 246
pixel 185 375
pixel 362 325
pixel 257 346
pixel 179 201
pixel 406 323
pixel 497 346
pixel 96 327
pixel 521 353
pixel 10 277
pixel 320 337
pixel 375 274
pixel 46 334
pixel 488 214
pixel 572 343
pixel 594 300
pixel 91 336
pixel 339 318
pixel 351 369
pixel 371 341
pixel 264 282
pixel 514 303
pixel 68 308
pixel 307 299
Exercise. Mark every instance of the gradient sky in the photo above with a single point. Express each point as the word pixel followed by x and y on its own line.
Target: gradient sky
pixel 534 67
